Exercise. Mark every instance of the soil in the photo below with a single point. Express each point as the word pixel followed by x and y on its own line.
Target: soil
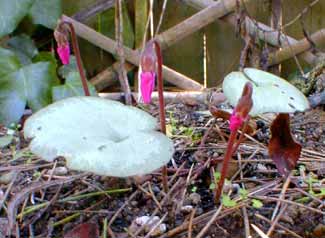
pixel 71 198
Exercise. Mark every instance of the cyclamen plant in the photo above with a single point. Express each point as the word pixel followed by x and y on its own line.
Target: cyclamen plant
pixel 61 35
pixel 257 85
pixel 150 63
pixel 237 119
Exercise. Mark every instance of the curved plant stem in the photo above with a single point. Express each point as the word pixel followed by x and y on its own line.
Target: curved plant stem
pixel 162 115
pixel 78 57
pixel 225 164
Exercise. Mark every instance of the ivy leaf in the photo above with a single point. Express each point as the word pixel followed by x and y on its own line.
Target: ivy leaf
pixel 72 87
pixel 45 56
pixel 20 86
pixel 11 13
pixel 257 203
pixel 24 47
pixel 283 150
pixel 65 69
pixel 9 62
pixel 227 201
pixel 46 12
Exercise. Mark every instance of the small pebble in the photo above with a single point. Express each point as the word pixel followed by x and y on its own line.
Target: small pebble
pixel 59 171
pixel 195 198
pixel 149 224
pixel 186 208
pixel 7 177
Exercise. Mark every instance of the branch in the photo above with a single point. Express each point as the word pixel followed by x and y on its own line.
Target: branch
pixel 92 10
pixel 260 30
pixel 297 48
pixel 123 78
pixel 132 56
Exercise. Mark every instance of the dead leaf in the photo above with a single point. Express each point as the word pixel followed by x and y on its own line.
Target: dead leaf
pixel 84 230
pixel 283 150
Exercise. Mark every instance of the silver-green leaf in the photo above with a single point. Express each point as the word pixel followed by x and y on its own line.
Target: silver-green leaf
pixel 100 136
pixel 270 92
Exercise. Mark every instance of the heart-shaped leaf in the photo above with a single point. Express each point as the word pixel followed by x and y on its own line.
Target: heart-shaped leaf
pixel 270 92
pixel 11 13
pixel 72 87
pixel 283 150
pixel 98 135
pixel 46 12
pixel 20 86
pixel 9 62
pixel 24 47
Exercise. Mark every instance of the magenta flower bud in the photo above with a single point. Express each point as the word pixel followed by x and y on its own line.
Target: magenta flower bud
pixel 64 53
pixel 147 85
pixel 235 121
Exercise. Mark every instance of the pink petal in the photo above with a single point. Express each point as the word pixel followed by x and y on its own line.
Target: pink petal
pixel 147 86
pixel 64 53
pixel 235 121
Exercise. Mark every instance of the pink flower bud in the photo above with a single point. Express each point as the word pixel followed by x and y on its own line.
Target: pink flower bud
pixel 64 53
pixel 235 121
pixel 147 85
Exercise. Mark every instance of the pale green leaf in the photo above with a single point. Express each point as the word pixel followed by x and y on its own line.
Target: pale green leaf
pixel 71 87
pixel 29 85
pixel 46 12
pixel 11 13
pixel 9 62
pixel 270 92
pixel 24 44
pixel 98 135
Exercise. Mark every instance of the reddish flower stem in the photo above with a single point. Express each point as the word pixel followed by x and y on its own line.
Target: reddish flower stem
pixel 78 57
pixel 225 164
pixel 241 137
pixel 162 115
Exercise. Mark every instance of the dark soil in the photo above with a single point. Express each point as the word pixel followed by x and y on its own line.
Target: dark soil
pixel 189 205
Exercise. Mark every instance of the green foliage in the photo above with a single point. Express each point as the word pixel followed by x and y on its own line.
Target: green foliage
pixel 257 203
pixel 12 12
pixel 71 87
pixel 227 201
pixel 194 189
pixel 44 12
pixel 243 193
pixel 22 85
pixel 24 47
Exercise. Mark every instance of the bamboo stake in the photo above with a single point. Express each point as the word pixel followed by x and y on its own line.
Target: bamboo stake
pixel 132 56
pixel 197 21
pixel 188 96
pixel 297 48
pixel 257 29
pixel 108 76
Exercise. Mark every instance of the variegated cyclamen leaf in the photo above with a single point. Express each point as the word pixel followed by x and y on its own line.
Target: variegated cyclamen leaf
pixel 100 136
pixel 270 92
